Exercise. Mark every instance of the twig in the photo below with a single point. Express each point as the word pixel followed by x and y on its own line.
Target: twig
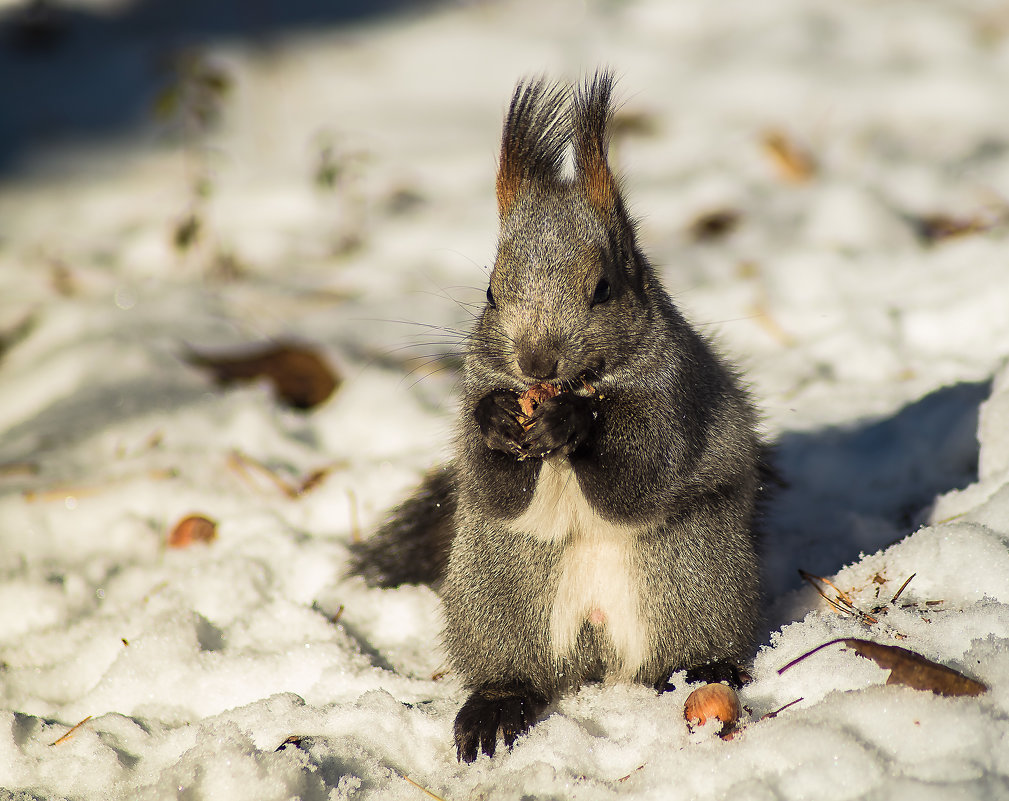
pixel 70 733
pixel 355 522
pixel 840 593
pixel 907 581
pixel 625 778
pixel 763 316
pixel 240 462
pixel 781 709
pixel 422 788
pixel 315 478
pixel 60 493
pixel 842 603
pixel 794 164
pixel 798 659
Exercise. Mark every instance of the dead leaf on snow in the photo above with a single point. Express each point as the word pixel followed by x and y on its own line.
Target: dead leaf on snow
pixel 300 376
pixel 906 668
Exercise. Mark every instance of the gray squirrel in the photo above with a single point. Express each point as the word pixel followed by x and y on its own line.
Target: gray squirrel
pixel 608 533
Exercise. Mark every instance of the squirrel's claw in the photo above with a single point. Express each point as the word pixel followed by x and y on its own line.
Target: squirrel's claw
pixel 487 711
pixel 724 671
pixel 497 414
pixel 559 425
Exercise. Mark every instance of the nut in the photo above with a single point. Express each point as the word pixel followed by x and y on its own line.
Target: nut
pixel 717 701
pixel 535 395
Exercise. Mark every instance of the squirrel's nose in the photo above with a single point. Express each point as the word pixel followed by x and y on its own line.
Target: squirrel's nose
pixel 538 364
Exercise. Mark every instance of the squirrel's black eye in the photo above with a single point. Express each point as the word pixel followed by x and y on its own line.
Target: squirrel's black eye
pixel 490 299
pixel 602 293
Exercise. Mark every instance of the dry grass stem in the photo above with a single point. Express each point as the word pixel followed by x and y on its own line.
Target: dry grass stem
pixel 423 789
pixel 622 779
pixel 245 465
pixel 763 316
pixel 907 581
pixel 780 709
pixel 842 602
pixel 356 535
pixel 794 164
pixel 61 493
pixel 70 733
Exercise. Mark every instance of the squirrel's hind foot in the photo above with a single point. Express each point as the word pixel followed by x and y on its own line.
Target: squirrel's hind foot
pixel 511 710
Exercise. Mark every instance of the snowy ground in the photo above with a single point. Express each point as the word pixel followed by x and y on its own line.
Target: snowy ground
pixel 875 346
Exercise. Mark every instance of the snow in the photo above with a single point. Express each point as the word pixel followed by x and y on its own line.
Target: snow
pixel 879 360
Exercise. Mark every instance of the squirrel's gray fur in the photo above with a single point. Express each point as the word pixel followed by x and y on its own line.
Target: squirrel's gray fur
pixel 613 538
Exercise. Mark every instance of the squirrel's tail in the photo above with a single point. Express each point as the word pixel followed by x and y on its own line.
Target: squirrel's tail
pixel 412 546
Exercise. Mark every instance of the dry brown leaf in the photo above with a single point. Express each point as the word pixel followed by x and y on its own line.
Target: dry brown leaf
pixel 300 376
pixel 294 739
pixel 714 225
pixel 314 479
pixel 186 232
pixel 794 164
pixel 906 668
pixel 933 228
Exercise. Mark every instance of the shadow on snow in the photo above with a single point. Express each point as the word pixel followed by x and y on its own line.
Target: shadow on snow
pixel 858 488
pixel 72 73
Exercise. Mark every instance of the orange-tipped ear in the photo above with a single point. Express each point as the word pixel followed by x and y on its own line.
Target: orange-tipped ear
pixel 592 113
pixel 536 132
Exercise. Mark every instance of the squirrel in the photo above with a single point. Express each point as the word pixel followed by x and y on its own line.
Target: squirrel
pixel 609 533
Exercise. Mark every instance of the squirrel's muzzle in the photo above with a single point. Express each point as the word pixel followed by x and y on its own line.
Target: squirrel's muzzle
pixel 538 360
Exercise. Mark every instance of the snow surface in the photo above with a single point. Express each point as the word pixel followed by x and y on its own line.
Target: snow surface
pixel 878 358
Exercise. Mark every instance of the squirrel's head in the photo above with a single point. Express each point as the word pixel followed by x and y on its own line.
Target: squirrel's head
pixel 569 293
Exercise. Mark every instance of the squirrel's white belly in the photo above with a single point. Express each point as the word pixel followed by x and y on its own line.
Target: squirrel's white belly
pixel 598 581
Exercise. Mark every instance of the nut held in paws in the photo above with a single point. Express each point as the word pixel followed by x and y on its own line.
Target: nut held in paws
pixel 535 395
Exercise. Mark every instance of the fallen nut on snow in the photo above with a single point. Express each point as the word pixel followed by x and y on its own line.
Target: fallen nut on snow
pixel 717 701
pixel 194 528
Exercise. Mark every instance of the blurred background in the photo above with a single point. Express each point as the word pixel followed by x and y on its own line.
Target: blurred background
pixel 823 187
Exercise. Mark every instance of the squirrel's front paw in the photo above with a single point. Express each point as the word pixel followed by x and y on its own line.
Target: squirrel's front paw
pixel 512 711
pixel 497 414
pixel 559 425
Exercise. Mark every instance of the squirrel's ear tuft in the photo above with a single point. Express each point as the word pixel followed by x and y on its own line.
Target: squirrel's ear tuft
pixel 536 133
pixel 591 121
